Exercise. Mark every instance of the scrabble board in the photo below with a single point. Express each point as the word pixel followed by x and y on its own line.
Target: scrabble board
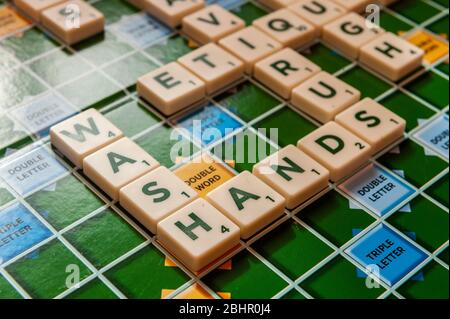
pixel 63 237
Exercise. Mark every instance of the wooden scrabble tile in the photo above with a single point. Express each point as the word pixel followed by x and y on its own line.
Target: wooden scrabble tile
pixel 250 45
pixel 287 28
pixel 276 4
pixel 117 165
pixel 391 56
pixel 198 234
pixel 33 8
pixel 82 135
pixel 215 66
pixel 284 70
pixel 73 21
pixel 323 96
pixel 293 174
pixel 11 21
pixel 317 12
pixel 336 148
pixel 354 5
pixel 211 24
pixel 373 123
pixel 171 12
pixel 203 174
pixel 248 202
pixel 171 88
pixel 155 196
pixel 349 33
